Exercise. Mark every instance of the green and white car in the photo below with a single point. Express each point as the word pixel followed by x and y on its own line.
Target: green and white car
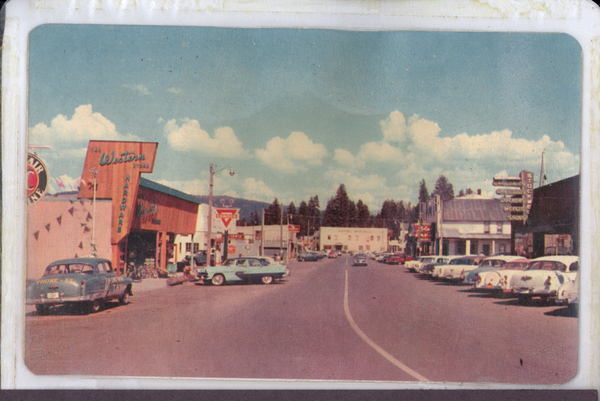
pixel 86 282
pixel 246 269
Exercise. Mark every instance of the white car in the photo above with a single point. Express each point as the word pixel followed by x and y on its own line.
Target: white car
pixel 543 277
pixel 568 294
pixel 434 270
pixel 489 264
pixel 498 282
pixel 412 264
pixel 458 268
pixel 424 261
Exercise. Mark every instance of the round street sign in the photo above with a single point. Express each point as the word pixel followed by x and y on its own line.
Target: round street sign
pixel 37 179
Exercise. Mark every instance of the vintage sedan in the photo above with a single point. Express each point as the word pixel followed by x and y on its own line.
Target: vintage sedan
pixel 309 257
pixel 543 277
pixel 84 282
pixel 498 282
pixel 397 259
pixel 433 269
pixel 568 294
pixel 458 268
pixel 488 264
pixel 243 270
pixel 360 259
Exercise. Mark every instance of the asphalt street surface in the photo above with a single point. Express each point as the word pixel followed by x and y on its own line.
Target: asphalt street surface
pixel 328 321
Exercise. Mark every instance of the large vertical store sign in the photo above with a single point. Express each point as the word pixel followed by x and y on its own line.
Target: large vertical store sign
pixel 116 168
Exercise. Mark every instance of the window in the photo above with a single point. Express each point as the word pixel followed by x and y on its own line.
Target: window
pixel 379 238
pixel 486 227
pixel 349 238
pixel 499 227
pixel 329 237
pixel 357 237
pixel 371 238
pixel 188 247
pixel 196 247
pixel 474 248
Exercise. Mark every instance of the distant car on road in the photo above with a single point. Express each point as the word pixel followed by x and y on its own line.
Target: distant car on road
pixel 360 259
pixel 332 255
pixel 83 282
pixel 243 269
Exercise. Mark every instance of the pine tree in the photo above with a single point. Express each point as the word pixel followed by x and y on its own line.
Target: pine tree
pixel 444 189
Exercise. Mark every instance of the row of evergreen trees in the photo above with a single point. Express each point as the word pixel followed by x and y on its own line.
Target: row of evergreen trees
pixel 341 211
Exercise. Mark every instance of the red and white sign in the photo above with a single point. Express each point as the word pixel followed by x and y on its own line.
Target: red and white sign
pixel 293 229
pixel 227 215
pixel 231 249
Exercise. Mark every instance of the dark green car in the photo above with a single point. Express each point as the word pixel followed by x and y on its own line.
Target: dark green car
pixel 86 282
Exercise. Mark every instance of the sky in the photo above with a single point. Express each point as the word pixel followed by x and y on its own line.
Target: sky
pixel 297 112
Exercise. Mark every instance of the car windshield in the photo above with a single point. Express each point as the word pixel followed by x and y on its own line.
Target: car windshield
pixel 515 266
pixel 428 260
pixel 492 263
pixel 69 268
pixel 462 262
pixel 546 265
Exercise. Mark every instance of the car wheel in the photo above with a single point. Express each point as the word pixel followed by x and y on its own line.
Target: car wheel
pixel 94 306
pixel 218 279
pixel 124 300
pixel 42 309
pixel 266 279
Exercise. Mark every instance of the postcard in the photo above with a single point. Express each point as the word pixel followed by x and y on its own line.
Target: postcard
pixel 388 195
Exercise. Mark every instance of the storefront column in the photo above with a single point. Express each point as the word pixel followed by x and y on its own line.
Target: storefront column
pixel 468 247
pixel 161 249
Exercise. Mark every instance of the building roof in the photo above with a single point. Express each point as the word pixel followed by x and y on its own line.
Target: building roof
pixel 465 209
pixel 169 191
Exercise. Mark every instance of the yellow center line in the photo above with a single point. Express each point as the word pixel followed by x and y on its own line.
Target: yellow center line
pixel 372 344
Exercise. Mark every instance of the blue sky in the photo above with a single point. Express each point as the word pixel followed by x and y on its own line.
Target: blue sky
pixel 297 112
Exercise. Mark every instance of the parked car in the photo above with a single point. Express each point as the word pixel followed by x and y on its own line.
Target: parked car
pixel 397 259
pixel 360 259
pixel 430 269
pixel 568 294
pixel 332 255
pixel 498 282
pixel 424 261
pixel 543 277
pixel 458 268
pixel 412 264
pixel 309 257
pixel 243 269
pixel 488 264
pixel 82 282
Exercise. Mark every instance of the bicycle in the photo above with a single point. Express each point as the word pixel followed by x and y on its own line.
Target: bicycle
pixel 135 273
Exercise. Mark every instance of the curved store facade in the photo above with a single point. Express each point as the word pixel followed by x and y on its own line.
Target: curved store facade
pixel 116 214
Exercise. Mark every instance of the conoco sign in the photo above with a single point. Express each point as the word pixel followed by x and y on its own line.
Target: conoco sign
pixel 37 179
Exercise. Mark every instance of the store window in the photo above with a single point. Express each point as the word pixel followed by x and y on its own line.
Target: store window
pixel 474 247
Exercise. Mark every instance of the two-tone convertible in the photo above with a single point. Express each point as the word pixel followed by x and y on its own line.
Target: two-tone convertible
pixel 243 269
pixel 84 282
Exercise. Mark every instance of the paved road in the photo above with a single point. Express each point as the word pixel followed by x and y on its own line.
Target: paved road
pixel 327 321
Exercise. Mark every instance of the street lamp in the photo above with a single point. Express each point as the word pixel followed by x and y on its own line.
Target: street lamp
pixel 210 204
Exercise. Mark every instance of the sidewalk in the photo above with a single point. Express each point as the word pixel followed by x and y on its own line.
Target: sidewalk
pixel 149 284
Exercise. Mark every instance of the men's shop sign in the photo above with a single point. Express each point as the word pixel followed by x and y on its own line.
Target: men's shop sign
pixel 37 179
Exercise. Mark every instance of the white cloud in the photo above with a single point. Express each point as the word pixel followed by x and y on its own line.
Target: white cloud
pixel 191 137
pixel 344 158
pixel 257 190
pixel 83 126
pixel 138 88
pixel 176 91
pixel 295 153
pixel 394 127
pixel 380 152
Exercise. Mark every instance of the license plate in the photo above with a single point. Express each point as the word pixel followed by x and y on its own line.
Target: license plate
pixel 489 286
pixel 52 295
